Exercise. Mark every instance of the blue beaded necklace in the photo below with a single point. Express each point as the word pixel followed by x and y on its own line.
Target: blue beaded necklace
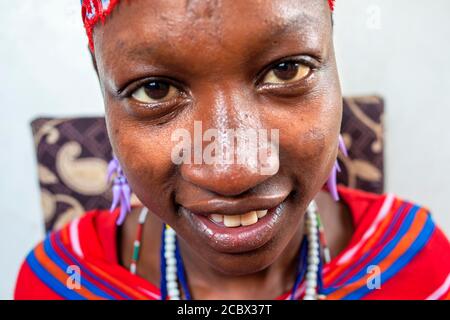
pixel 180 268
pixel 301 269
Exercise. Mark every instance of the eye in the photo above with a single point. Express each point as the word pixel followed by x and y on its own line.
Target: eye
pixel 287 72
pixel 155 91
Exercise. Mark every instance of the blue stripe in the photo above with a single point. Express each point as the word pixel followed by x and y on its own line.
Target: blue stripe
pixel 357 264
pixel 84 269
pixel 401 262
pixel 302 265
pixel 63 266
pixel 181 272
pixel 47 278
pixel 386 250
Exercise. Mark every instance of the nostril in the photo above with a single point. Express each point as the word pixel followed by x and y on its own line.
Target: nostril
pixel 229 180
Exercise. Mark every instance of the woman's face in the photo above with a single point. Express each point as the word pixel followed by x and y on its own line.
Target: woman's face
pixel 239 65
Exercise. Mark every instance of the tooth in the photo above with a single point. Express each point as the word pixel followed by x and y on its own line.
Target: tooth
pixel 249 218
pixel 261 213
pixel 216 217
pixel 232 221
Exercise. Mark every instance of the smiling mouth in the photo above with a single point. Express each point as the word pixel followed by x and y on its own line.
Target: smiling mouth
pixel 238 233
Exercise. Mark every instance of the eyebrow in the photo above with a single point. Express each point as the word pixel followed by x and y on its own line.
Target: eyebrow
pixel 303 24
pixel 293 23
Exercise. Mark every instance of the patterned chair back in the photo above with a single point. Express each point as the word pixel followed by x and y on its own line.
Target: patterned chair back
pixel 73 155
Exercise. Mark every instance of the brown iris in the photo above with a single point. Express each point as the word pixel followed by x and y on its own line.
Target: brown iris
pixel 157 90
pixel 287 72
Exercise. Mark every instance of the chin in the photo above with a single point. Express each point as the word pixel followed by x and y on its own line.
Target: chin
pixel 246 263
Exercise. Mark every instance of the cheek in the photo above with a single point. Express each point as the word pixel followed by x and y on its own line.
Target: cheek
pixel 308 140
pixel 144 152
pixel 316 152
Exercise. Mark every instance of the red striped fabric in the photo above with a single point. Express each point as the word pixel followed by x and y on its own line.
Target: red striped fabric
pixel 395 236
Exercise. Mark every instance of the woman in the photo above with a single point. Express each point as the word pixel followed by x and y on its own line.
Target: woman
pixel 236 231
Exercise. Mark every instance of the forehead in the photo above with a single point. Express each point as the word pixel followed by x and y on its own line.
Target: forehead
pixel 160 27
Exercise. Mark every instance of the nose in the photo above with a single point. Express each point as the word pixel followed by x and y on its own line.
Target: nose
pixel 230 180
pixel 236 151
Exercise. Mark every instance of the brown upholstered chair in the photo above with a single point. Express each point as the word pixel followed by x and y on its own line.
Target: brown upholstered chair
pixel 73 155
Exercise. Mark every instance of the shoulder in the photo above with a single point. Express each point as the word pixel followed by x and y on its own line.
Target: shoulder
pixel 29 283
pixel 416 253
pixel 51 264
pixel 36 279
pixel 400 240
pixel 72 264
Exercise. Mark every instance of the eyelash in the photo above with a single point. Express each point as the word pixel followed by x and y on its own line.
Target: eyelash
pixel 312 62
pixel 128 89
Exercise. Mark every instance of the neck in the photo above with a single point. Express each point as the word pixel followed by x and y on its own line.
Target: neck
pixel 268 283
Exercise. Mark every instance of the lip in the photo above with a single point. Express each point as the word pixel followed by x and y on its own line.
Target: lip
pixel 219 205
pixel 239 239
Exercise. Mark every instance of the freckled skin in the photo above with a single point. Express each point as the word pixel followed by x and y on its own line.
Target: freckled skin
pixel 215 51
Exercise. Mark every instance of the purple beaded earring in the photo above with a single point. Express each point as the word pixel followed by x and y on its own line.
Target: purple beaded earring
pixel 121 190
pixel 331 183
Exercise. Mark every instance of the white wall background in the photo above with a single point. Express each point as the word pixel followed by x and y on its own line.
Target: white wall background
pixel 399 49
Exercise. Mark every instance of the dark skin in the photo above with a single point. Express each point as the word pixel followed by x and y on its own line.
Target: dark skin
pixel 237 64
